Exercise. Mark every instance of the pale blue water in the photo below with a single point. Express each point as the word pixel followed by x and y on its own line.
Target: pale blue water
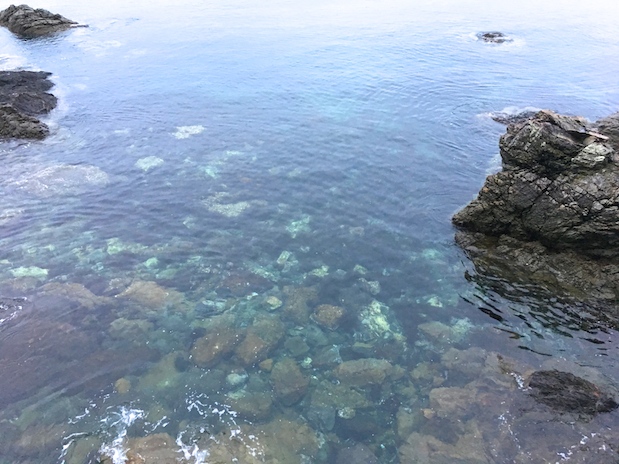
pixel 350 132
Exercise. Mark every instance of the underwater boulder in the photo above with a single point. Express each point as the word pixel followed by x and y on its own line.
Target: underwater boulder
pixel 288 381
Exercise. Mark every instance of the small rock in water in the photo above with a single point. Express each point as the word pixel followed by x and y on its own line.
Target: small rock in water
pixel 494 37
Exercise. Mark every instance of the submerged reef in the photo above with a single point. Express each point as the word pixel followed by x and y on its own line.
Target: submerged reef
pixel 550 217
pixel 23 97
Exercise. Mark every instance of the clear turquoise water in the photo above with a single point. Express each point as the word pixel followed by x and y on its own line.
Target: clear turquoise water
pixel 350 133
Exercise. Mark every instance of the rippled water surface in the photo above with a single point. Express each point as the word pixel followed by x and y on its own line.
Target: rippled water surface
pixel 236 244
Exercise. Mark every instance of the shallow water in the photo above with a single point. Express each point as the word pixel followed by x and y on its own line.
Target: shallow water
pixel 206 157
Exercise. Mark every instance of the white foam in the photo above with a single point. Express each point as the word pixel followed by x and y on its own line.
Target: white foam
pixel 121 421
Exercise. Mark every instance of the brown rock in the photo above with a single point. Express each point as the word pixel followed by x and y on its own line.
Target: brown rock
pixel 159 448
pixel 363 372
pixel 262 338
pixel 296 307
pixel 151 295
pixel 289 383
pixel 426 449
pixel 284 441
pixel 77 293
pixel 452 402
pixel 252 406
pixel 329 316
pixel 209 350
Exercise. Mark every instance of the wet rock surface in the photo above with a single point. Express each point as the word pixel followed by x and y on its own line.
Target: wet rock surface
pixel 493 37
pixel 27 22
pixel 24 96
pixel 566 392
pixel 553 209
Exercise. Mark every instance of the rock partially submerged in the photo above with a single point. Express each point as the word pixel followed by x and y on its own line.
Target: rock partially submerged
pixel 29 23
pixel 553 211
pixel 493 37
pixel 24 96
pixel 568 393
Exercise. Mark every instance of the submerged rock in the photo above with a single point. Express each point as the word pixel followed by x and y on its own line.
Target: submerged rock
pixel 565 392
pixel 289 383
pixel 357 453
pixel 29 23
pixel 62 179
pixel 363 372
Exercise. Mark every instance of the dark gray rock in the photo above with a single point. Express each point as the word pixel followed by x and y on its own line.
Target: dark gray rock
pixel 27 22
pixel 511 118
pixel 493 37
pixel 564 392
pixel 559 186
pixel 23 96
pixel 14 124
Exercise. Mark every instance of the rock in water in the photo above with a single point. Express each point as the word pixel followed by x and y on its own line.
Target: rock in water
pixel 565 392
pixel 24 96
pixel 29 23
pixel 14 124
pixel 559 186
pixel 493 37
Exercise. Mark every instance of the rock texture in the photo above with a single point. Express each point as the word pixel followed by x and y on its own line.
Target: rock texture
pixel 29 23
pixel 493 37
pixel 24 96
pixel 565 392
pixel 552 214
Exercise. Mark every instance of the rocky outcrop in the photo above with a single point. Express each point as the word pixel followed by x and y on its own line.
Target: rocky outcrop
pixel 24 96
pixel 551 216
pixel 559 185
pixel 29 23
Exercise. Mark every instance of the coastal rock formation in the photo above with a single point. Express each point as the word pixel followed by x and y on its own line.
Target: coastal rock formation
pixel 551 216
pixel 29 23
pixel 23 97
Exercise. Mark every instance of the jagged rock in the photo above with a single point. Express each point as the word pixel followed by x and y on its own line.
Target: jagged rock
pixel 23 96
pixel 27 91
pixel 565 392
pixel 559 186
pixel 16 125
pixel 29 23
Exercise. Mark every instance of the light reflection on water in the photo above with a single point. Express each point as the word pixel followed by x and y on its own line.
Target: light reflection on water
pixel 256 170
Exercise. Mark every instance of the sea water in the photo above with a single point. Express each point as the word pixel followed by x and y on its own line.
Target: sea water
pixel 282 177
